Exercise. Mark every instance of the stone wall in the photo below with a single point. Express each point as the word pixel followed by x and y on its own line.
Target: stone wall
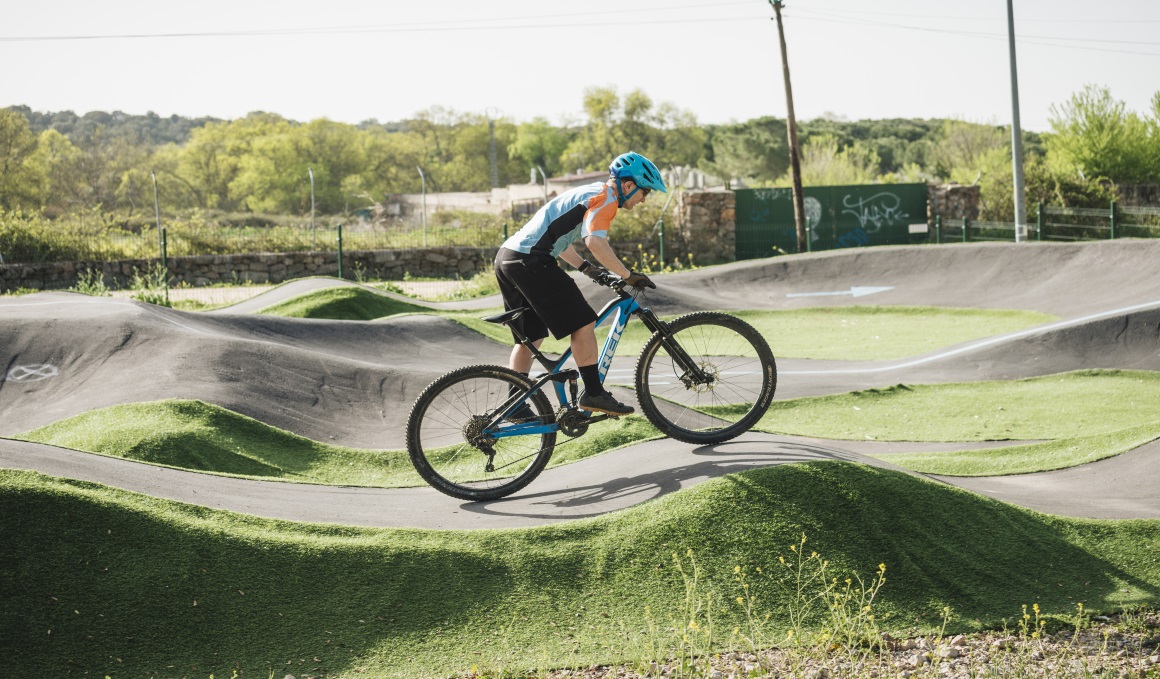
pixel 952 202
pixel 706 225
pixel 447 262
pixel 701 223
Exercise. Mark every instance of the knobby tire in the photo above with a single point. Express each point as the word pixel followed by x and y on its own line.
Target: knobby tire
pixel 440 451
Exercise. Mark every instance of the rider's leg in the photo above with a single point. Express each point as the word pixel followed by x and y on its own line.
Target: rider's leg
pixel 595 397
pixel 521 362
pixel 584 345
pixel 521 358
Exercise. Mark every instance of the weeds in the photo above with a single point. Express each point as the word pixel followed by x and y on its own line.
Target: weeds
pixel 829 629
pixel 647 262
pixel 91 282
pixel 151 286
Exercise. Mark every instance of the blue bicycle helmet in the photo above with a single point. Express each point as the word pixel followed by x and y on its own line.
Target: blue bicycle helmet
pixel 640 170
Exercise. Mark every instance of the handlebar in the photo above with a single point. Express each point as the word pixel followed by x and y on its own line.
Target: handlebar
pixel 610 280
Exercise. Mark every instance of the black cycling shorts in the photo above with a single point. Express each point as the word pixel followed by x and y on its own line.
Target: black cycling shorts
pixel 537 281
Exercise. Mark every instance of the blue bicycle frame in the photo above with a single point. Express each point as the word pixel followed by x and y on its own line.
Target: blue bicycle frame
pixel 618 311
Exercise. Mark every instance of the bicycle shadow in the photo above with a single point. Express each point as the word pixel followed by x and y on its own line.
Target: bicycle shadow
pixel 574 498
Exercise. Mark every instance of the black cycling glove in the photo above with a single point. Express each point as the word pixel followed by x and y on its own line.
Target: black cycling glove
pixel 639 280
pixel 591 270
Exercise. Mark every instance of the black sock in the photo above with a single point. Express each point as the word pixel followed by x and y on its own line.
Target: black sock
pixel 591 376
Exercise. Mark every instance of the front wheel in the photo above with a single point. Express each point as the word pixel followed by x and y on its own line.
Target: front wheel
pixel 708 379
pixel 453 451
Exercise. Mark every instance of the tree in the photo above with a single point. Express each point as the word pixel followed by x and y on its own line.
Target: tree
pixel 391 161
pixel 596 144
pixel 210 163
pixel 22 183
pixel 538 143
pixel 1098 136
pixel 756 150
pixel 57 160
pixel 824 162
pixel 680 141
pixel 963 151
pixel 665 134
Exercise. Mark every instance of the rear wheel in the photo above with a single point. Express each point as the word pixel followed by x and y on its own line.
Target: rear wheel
pixel 452 451
pixel 710 380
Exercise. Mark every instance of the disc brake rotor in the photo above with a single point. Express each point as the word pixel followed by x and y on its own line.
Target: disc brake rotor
pixel 711 372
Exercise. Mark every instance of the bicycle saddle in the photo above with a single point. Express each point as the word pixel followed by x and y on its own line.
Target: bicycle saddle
pixel 506 316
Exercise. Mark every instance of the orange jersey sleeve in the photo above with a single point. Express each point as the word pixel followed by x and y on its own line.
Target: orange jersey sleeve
pixel 601 209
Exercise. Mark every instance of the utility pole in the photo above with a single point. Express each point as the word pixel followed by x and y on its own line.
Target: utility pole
pixel 795 166
pixel 313 233
pixel 545 178
pixel 423 177
pixel 493 168
pixel 1016 134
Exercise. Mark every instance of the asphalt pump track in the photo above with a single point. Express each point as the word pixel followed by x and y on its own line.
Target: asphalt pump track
pixel 352 383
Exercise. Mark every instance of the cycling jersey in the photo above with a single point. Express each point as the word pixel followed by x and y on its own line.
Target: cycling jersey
pixel 584 211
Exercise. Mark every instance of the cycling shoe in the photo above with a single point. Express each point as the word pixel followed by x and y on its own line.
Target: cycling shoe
pixel 603 403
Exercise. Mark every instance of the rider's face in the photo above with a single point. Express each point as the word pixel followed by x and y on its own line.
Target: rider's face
pixel 637 198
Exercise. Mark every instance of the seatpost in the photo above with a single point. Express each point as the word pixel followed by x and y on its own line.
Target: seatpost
pixel 543 360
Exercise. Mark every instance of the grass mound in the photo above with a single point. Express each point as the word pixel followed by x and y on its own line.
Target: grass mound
pixel 342 303
pixel 1065 405
pixel 1025 459
pixel 202 437
pixel 104 581
pixel 839 333
pixel 882 332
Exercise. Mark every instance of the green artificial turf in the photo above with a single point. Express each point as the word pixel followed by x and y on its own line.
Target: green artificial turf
pixel 202 437
pixel 837 333
pixel 97 581
pixel 1024 459
pixel 342 303
pixel 1066 405
pixel 1083 416
pixel 880 333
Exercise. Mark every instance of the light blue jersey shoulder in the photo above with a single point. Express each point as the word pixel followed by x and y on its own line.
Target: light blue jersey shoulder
pixel 583 211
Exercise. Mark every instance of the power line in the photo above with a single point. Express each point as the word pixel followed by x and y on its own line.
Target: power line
pixel 478 24
pixel 998 35
pixel 846 12
pixel 1045 40
pixel 491 24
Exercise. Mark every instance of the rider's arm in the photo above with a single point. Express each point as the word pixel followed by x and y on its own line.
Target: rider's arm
pixel 572 257
pixel 603 253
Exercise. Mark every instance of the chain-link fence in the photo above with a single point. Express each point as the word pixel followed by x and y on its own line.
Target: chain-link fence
pixel 51 245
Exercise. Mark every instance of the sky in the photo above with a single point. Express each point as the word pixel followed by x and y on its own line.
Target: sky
pixel 353 60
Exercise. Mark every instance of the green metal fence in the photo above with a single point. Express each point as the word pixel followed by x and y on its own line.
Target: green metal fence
pixel 1115 221
pixel 1058 224
pixel 837 217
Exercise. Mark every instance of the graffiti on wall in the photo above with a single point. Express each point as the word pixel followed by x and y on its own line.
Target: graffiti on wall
pixel 873 213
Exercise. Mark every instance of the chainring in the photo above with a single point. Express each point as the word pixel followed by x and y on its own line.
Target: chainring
pixel 572 423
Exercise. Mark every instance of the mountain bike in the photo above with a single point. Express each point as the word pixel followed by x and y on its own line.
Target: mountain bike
pixel 702 378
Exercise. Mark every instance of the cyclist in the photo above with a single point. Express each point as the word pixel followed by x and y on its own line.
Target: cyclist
pixel 529 275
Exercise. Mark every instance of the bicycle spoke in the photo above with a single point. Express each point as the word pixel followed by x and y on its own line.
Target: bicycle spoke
pixel 449 443
pixel 726 373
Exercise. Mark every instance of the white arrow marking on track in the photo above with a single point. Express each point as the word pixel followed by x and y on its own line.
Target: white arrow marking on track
pixel 856 291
